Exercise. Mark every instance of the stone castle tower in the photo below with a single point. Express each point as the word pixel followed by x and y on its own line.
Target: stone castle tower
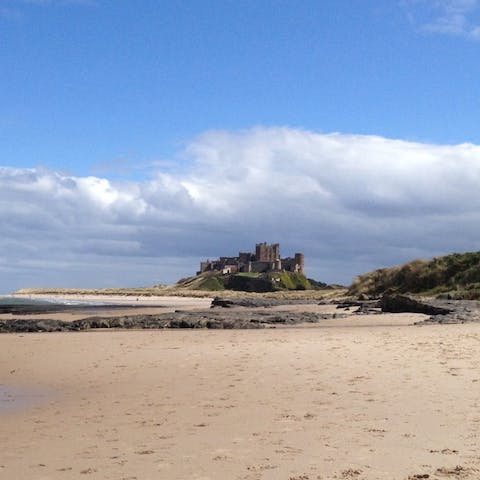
pixel 265 259
pixel 267 253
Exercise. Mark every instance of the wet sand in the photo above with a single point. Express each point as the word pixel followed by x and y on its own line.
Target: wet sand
pixel 128 300
pixel 110 306
pixel 372 398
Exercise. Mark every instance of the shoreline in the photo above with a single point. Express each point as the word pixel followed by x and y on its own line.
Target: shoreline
pixel 84 312
pixel 174 291
pixel 184 312
pixel 115 299
pixel 76 307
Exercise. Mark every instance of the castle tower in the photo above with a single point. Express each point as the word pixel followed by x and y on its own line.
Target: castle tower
pixel 267 253
pixel 300 261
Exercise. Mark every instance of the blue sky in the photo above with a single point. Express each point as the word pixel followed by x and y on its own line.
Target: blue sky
pixel 152 96
pixel 88 83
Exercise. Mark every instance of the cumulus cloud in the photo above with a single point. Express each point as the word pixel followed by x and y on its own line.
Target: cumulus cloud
pixel 452 17
pixel 349 202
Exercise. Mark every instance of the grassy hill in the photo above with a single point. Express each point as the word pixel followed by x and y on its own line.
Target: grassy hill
pixel 242 285
pixel 249 282
pixel 457 275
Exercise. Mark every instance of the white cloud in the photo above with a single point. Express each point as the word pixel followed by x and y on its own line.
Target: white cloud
pixel 350 202
pixel 452 17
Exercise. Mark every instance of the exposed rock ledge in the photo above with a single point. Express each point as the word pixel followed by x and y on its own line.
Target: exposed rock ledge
pixel 440 311
pixel 181 319
pixel 253 315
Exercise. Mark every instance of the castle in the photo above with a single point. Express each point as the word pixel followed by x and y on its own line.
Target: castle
pixel 265 259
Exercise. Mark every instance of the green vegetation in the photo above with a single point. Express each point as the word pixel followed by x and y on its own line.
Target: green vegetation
pixel 248 282
pixel 209 281
pixel 318 294
pixel 241 285
pixel 212 284
pixel 321 285
pixel 455 276
pixel 289 281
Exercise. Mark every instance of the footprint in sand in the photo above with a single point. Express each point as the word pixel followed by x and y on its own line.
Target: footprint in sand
pixel 457 472
pixel 260 468
pixel 445 451
pixel 351 473
pixel 88 471
pixel 218 458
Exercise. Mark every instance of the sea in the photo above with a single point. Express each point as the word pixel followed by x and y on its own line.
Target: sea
pixel 8 299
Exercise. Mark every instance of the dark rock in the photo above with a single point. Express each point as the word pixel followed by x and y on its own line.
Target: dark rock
pixel 362 304
pixel 366 310
pixel 220 302
pixel 461 311
pixel 253 317
pixel 402 303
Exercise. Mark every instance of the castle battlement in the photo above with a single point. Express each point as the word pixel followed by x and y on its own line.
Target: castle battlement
pixel 265 259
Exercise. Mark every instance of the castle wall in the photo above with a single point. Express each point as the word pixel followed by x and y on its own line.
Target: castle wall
pixel 245 257
pixel 230 269
pixel 262 267
pixel 266 259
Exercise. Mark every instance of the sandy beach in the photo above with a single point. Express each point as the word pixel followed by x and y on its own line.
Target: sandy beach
pixel 372 398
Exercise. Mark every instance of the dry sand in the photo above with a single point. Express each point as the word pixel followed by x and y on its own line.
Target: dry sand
pixel 364 398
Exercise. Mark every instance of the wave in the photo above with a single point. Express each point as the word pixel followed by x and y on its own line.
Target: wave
pixel 11 300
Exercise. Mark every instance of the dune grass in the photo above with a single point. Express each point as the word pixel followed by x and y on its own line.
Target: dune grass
pixel 457 275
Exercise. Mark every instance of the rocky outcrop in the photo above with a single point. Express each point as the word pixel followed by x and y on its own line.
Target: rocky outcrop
pixel 214 319
pixel 460 311
pixel 257 302
pixel 362 307
pixel 402 303
pixel 440 311
pixel 222 302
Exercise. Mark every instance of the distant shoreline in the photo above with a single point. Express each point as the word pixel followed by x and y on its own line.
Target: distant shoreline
pixel 174 291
